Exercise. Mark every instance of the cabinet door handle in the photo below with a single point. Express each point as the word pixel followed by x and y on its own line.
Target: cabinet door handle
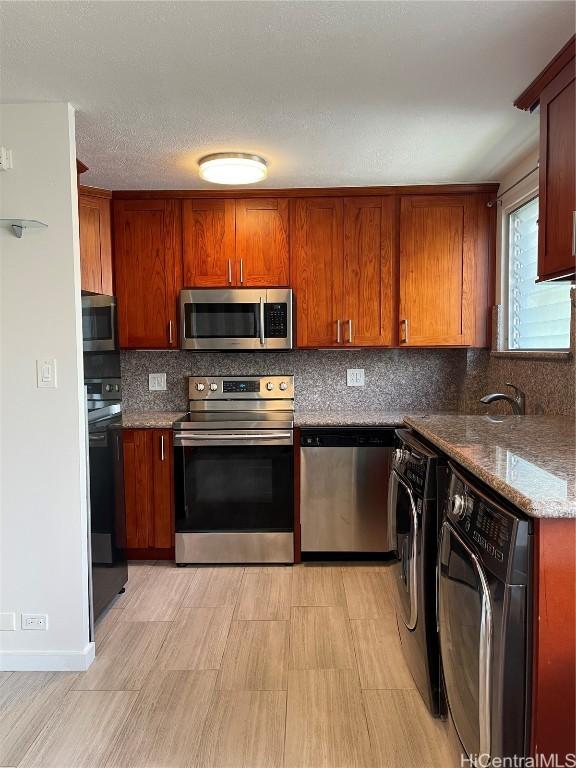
pixel 170 334
pixel 161 447
pixel 241 271
pixel 574 233
pixel 350 334
pixel 229 272
pixel 404 331
pixel 338 331
pixel 118 448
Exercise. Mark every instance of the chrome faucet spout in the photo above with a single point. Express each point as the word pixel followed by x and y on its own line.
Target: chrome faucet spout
pixel 517 401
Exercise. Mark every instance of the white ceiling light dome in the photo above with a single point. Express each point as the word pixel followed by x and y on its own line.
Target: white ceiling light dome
pixel 233 168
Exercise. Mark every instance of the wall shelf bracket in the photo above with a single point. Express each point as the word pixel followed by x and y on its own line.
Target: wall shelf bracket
pixel 19 225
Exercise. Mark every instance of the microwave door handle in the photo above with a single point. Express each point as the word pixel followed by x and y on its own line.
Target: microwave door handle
pixel 262 337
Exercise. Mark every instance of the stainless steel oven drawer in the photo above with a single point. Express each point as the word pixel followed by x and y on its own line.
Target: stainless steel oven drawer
pixel 232 547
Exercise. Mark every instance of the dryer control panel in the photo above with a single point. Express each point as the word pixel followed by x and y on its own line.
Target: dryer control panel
pixel 485 524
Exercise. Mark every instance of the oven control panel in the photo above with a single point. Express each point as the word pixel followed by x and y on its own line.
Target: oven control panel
pixel 241 388
pixel 103 389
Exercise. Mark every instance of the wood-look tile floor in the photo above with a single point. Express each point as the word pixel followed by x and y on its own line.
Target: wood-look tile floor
pixel 256 667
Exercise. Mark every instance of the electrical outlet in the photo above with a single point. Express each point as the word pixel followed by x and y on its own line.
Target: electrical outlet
pixel 355 377
pixel 157 382
pixel 7 622
pixel 34 621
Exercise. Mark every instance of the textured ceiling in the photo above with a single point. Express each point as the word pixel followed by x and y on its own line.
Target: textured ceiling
pixel 331 93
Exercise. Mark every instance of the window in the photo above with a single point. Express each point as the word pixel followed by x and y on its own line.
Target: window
pixel 538 313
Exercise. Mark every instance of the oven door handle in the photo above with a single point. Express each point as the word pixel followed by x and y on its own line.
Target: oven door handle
pixel 241 438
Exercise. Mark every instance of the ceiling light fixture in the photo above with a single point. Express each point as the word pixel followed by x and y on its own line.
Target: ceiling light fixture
pixel 232 168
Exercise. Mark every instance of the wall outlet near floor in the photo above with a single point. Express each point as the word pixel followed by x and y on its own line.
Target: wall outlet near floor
pixel 34 621
pixel 157 382
pixel 7 622
pixel 355 377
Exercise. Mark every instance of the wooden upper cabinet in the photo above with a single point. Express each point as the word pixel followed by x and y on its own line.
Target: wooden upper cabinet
pixel 262 242
pixel 95 241
pixel 553 90
pixel 444 270
pixel 370 261
pixel 148 263
pixel 208 243
pixel 316 237
pixel 557 214
pixel 235 242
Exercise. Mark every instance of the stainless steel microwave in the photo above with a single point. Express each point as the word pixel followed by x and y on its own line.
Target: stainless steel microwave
pixel 98 322
pixel 236 319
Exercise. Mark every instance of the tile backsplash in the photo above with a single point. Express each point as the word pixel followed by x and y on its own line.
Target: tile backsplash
pixel 395 379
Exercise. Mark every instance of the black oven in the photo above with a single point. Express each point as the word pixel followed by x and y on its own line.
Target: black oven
pixel 236 319
pixel 98 323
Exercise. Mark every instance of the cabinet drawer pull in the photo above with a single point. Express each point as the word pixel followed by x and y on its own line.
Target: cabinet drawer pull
pixel 404 331
pixel 338 331
pixel 161 447
pixel 229 272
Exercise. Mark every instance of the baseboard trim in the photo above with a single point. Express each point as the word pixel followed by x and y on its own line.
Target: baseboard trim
pixel 47 661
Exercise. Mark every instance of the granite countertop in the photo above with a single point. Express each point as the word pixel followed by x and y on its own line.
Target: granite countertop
pixel 302 418
pixel 348 418
pixel 530 460
pixel 150 419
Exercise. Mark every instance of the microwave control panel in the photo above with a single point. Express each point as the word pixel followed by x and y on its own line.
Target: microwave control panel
pixel 276 320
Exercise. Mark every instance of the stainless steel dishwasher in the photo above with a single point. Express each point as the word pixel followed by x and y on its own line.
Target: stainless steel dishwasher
pixel 344 489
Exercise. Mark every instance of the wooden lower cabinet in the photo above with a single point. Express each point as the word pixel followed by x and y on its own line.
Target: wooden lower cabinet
pixel 148 492
pixel 554 640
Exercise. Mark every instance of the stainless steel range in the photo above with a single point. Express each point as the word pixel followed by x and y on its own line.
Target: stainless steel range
pixel 233 460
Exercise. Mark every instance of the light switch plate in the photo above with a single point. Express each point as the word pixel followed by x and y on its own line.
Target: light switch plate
pixel 157 382
pixel 355 377
pixel 46 373
pixel 7 622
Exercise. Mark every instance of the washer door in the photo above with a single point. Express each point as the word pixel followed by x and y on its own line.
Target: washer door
pixel 465 612
pixel 405 532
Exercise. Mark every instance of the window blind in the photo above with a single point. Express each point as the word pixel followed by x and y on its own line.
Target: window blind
pixel 538 313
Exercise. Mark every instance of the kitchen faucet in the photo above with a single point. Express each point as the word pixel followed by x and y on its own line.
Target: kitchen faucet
pixel 517 400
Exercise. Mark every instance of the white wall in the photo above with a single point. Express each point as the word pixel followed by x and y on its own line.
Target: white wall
pixel 43 523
